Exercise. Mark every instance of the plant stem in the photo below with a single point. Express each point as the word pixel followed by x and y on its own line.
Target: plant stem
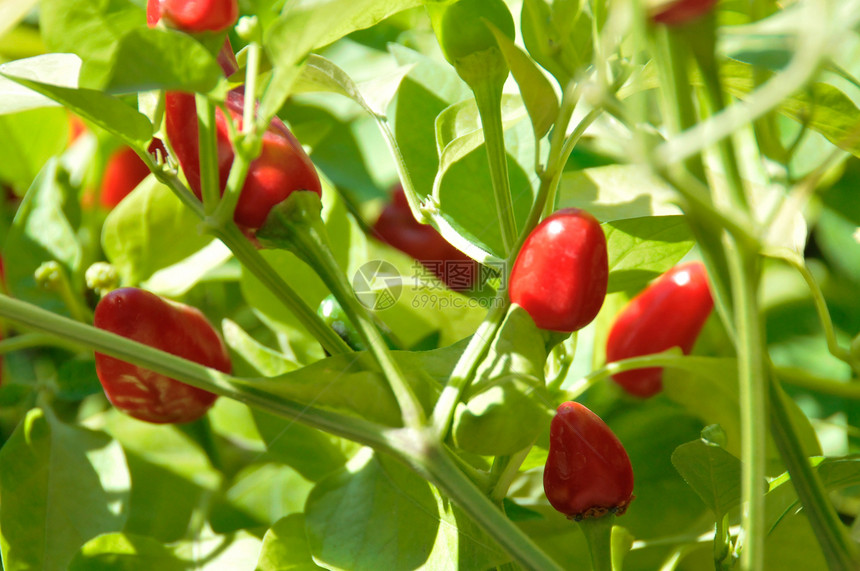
pixel 797 262
pixel 189 372
pixel 752 377
pixel 839 548
pixel 31 340
pixel 435 465
pixel 464 371
pixel 296 225
pixel 254 262
pixel 509 467
pixel 804 380
pixel 210 185
pixel 488 95
pixel 598 536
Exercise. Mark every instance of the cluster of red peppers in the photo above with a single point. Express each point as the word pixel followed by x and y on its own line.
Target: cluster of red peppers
pixel 560 278
pixel 281 168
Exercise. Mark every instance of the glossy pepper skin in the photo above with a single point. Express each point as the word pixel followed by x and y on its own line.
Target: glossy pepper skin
pixel 124 171
pixel 562 271
pixel 193 15
pixel 172 327
pixel 587 473
pixel 397 227
pixel 680 12
pixel 282 167
pixel 670 312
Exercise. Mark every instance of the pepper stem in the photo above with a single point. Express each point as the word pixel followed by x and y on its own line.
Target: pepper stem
pixel 488 96
pixel 598 536
pixel 295 224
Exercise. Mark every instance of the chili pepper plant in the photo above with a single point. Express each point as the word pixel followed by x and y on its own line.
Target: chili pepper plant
pixel 576 150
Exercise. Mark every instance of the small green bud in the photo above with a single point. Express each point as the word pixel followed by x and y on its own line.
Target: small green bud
pixel 102 278
pixel 50 276
pixel 468 44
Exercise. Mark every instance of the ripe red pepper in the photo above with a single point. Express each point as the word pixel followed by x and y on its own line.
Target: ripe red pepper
pixel 562 271
pixel 193 15
pixel 173 327
pixel 670 312
pixel 587 472
pixel 681 12
pixel 397 227
pixel 124 171
pixel 282 167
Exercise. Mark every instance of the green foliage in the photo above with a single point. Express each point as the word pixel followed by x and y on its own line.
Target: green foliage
pixel 148 231
pixel 325 470
pixel 43 461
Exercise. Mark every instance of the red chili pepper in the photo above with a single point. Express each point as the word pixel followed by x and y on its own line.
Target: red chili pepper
pixel 124 171
pixel 173 327
pixel 76 128
pixel 670 312
pixel 682 11
pixel 193 15
pixel 587 472
pixel 397 227
pixel 282 167
pixel 561 273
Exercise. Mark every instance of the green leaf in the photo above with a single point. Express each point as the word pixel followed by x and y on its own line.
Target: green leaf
pixel 149 230
pixel 538 95
pixel 260 494
pixel 370 496
pixel 147 59
pixel 377 514
pixel 713 473
pixel 27 141
pixel 54 69
pixel 322 75
pixel 820 106
pixel 640 249
pixel 60 486
pixel 76 379
pixel 125 552
pixel 462 122
pixel 88 29
pixel 44 229
pixel 263 360
pixel 214 551
pixel 425 92
pixel 308 24
pixel 120 53
pixel 285 546
pixel 179 278
pixel 170 474
pixel 708 388
pixel 312 453
pixel 105 111
pixel 466 159
pixel 615 192
pixel 835 232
